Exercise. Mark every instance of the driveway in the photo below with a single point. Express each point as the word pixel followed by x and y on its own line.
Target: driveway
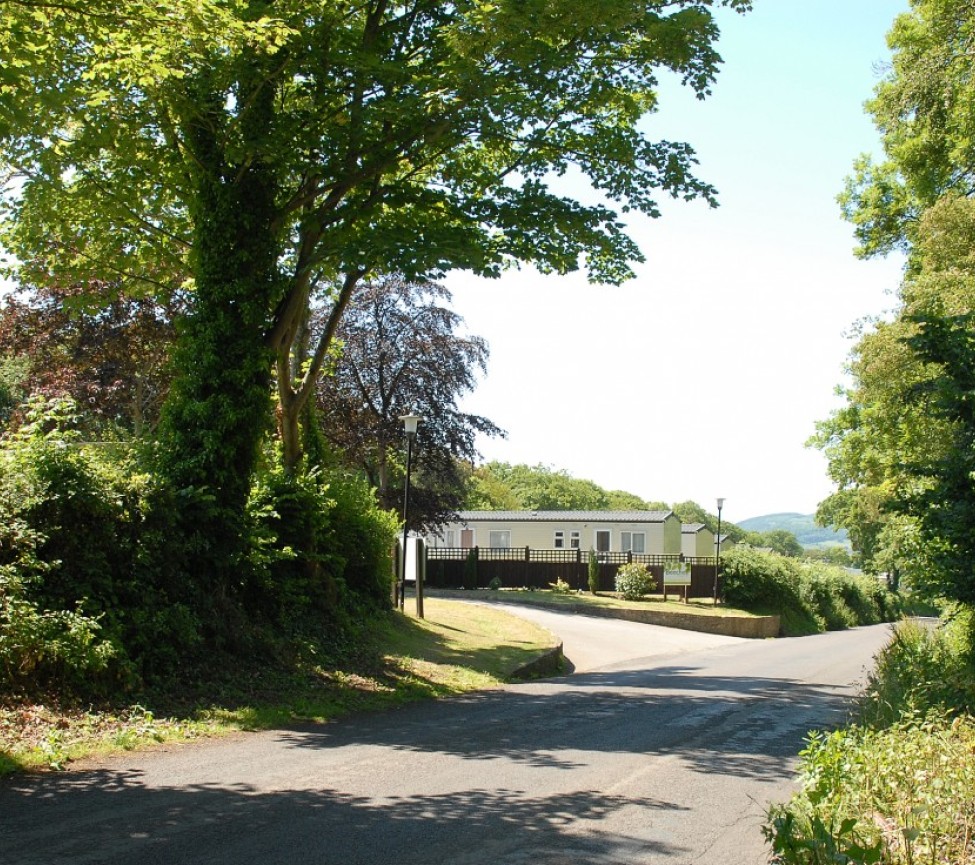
pixel 592 642
pixel 662 747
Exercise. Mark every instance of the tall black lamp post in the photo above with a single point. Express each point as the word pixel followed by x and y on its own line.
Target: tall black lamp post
pixel 410 422
pixel 717 552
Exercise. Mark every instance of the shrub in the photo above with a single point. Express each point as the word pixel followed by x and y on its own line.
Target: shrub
pixel 361 535
pixel 809 596
pixel 820 595
pixel 78 504
pixel 921 669
pixel 593 572
pixel 66 556
pixel 495 584
pixel 293 576
pixel 319 546
pixel 560 587
pixel 634 581
pixel 49 648
pixel 766 583
pixel 470 569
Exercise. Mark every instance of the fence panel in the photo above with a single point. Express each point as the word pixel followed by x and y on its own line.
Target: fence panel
pixel 524 567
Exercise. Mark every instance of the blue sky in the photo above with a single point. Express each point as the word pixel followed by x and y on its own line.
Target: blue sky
pixel 705 375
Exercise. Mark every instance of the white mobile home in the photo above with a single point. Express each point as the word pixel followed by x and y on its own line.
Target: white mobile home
pixel 650 532
pixel 697 540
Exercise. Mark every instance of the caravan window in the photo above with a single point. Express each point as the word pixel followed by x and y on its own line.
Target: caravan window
pixel 500 540
pixel 633 542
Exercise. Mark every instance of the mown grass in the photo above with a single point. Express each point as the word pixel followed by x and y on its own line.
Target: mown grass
pixel 456 648
pixel 541 597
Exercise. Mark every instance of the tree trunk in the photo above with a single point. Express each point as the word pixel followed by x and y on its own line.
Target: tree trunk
pixel 298 369
pixel 219 406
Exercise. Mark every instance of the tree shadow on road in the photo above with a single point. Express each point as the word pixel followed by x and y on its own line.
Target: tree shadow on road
pixel 747 727
pixel 113 817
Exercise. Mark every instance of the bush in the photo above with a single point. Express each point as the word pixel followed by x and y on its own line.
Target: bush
pixel 360 536
pixel 900 795
pixel 96 564
pixel 41 649
pixel 79 505
pixel 470 569
pixel 820 594
pixel 634 581
pixel 560 587
pixel 320 547
pixel 923 669
pixel 899 786
pixel 809 596
pixel 66 556
pixel 766 583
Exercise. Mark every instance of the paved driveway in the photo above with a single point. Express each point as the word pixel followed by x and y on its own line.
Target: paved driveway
pixel 593 642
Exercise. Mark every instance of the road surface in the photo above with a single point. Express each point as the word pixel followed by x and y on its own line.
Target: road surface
pixel 662 747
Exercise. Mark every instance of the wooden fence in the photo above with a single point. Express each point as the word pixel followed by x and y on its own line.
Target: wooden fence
pixel 527 567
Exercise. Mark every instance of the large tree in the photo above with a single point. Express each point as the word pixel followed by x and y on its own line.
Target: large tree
pixel 401 351
pixel 898 449
pixel 922 109
pixel 260 151
pixel 542 488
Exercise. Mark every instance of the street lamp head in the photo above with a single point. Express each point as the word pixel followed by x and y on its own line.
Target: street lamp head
pixel 720 504
pixel 410 422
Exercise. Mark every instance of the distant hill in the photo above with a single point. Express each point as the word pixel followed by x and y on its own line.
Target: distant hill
pixel 803 526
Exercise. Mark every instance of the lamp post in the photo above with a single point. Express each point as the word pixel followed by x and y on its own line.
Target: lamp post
pixel 717 552
pixel 410 422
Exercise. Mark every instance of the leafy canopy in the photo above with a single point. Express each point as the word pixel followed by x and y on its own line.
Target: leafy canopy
pixel 922 109
pixel 412 137
pixel 403 350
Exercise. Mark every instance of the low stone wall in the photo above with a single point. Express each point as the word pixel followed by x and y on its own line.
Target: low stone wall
pixel 753 627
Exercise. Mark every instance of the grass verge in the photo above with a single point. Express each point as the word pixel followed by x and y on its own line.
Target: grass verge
pixel 456 648
pixel 694 607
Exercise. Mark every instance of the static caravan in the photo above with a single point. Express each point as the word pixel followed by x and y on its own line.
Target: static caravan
pixel 649 532
pixel 697 540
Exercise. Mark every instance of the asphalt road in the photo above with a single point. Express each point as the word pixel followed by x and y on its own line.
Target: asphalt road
pixel 662 747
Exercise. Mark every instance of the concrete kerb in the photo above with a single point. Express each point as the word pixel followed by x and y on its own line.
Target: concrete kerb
pixel 549 664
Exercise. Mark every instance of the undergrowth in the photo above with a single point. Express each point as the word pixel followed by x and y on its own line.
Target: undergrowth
pixel 898 785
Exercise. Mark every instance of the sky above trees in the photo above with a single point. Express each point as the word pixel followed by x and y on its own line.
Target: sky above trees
pixel 705 375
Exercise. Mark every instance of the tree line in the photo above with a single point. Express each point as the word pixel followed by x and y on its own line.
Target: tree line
pixel 901 448
pixel 894 786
